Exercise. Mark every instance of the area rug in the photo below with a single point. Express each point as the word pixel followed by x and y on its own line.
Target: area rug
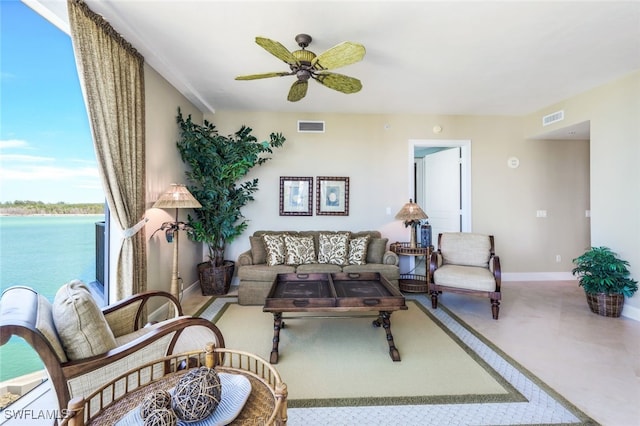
pixel 339 371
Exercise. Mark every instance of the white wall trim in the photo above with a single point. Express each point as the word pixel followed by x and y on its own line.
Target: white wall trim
pixel 631 312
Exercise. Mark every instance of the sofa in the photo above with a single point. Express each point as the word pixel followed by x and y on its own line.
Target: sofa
pixel 281 252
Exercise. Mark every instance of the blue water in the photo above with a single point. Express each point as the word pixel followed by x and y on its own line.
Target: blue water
pixel 42 252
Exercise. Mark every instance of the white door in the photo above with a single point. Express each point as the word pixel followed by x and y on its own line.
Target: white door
pixel 442 194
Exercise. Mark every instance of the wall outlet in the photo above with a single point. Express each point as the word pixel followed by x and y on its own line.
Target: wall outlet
pixel 388 211
pixel 558 258
pixel 541 213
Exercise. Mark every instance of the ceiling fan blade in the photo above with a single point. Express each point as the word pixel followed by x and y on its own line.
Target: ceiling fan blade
pixel 339 82
pixel 345 53
pixel 298 91
pixel 265 75
pixel 277 50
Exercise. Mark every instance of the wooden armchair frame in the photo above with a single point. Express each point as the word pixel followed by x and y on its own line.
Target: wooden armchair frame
pixel 26 314
pixel 494 294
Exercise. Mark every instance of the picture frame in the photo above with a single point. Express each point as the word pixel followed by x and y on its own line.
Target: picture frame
pixel 296 196
pixel 332 196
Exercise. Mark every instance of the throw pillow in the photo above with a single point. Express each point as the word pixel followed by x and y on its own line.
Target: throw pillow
pixel 299 250
pixel 83 329
pixel 377 248
pixel 333 248
pixel 358 250
pixel 258 250
pixel 275 249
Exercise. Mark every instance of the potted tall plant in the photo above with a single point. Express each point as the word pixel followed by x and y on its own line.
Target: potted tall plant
pixel 216 164
pixel 605 280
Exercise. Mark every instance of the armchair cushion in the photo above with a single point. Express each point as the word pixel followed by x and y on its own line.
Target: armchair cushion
pixel 460 248
pixel 81 325
pixel 467 277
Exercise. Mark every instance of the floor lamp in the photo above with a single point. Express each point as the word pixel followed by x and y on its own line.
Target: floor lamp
pixel 177 197
pixel 411 214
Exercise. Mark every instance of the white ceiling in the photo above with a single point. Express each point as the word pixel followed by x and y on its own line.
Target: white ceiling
pixel 450 57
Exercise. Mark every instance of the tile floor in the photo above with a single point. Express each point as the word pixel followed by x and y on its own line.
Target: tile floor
pixel 592 361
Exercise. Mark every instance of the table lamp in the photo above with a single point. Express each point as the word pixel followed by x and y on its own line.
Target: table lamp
pixel 411 214
pixel 178 197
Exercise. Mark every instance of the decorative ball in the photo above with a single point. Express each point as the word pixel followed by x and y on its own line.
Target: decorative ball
pixel 161 417
pixel 154 401
pixel 197 394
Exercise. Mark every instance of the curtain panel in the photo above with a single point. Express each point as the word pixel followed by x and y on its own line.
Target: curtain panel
pixel 111 75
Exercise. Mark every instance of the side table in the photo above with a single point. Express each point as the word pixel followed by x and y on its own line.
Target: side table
pixel 413 283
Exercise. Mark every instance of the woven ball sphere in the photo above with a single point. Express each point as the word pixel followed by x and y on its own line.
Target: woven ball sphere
pixel 197 394
pixel 154 401
pixel 161 417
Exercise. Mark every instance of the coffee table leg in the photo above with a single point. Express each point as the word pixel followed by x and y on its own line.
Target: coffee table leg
pixel 277 325
pixel 384 320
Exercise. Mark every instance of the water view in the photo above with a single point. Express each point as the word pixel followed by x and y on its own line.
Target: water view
pixel 42 252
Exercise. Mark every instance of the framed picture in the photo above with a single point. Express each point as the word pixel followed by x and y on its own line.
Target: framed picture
pixel 296 195
pixel 332 196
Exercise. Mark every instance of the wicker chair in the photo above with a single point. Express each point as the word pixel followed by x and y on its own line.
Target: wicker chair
pixel 29 315
pixel 466 263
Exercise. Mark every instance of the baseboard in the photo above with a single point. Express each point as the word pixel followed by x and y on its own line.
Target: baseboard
pixel 631 312
pixel 538 276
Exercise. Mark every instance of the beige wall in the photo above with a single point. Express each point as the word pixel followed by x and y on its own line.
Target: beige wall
pixel 565 178
pixel 614 113
pixel 373 151
pixel 165 167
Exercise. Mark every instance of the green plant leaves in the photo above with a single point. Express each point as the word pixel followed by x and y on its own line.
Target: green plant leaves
pixel 216 165
pixel 600 270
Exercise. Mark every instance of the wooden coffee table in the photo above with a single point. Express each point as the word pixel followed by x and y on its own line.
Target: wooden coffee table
pixel 330 293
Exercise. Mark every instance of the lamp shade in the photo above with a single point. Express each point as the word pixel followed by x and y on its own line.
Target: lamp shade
pixel 411 212
pixel 177 197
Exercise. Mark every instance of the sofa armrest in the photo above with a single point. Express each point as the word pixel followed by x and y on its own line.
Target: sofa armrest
pixel 245 258
pixel 390 258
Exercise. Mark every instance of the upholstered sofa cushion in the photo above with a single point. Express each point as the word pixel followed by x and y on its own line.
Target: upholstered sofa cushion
pixel 333 248
pixel 376 250
pixel 82 328
pixel 463 248
pixel 274 244
pixel 258 250
pixel 299 250
pixel 358 250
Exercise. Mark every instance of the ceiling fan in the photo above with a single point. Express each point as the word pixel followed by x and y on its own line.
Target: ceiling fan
pixel 305 65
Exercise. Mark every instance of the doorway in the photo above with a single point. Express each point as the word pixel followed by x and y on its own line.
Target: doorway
pixel 440 179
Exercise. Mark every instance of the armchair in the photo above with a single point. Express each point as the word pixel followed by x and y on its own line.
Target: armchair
pixel 465 263
pixel 64 335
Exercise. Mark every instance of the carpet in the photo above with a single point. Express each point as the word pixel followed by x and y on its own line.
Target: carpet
pixel 339 369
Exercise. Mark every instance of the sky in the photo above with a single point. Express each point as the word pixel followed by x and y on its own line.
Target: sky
pixel 46 150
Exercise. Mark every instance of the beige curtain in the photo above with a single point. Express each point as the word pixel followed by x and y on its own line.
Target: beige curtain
pixel 112 78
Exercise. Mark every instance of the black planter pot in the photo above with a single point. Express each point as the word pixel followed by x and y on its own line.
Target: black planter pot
pixel 215 280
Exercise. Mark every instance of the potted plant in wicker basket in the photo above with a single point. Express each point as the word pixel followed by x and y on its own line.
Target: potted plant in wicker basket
pixel 216 164
pixel 605 280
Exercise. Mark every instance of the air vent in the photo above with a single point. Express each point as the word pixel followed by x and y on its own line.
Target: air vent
pixel 552 118
pixel 310 126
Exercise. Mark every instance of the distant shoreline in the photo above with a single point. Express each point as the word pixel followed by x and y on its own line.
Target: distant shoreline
pixel 38 208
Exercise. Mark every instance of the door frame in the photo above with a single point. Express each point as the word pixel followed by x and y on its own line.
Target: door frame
pixel 465 178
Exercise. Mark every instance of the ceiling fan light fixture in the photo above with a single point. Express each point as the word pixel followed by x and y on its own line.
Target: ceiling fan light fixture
pixel 306 65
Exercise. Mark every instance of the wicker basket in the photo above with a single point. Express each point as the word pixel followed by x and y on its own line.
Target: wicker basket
pixel 607 305
pixel 215 280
